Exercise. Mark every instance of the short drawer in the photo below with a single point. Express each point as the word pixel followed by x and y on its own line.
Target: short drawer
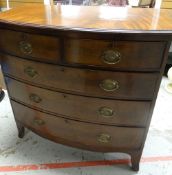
pixel 105 84
pixel 129 55
pixel 79 134
pixel 94 110
pixel 36 47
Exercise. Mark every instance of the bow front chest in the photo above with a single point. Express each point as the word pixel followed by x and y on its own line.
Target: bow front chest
pixel 86 77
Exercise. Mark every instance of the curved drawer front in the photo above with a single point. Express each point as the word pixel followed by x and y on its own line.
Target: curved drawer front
pixel 126 113
pixel 84 135
pixel 83 81
pixel 36 47
pixel 128 55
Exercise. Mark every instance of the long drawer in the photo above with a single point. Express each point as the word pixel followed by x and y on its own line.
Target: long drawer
pixel 84 135
pixel 36 47
pixel 106 84
pixel 94 110
pixel 128 55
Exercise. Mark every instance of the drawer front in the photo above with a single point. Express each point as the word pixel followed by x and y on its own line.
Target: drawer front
pixel 129 55
pixel 94 110
pixel 87 82
pixel 84 135
pixel 36 47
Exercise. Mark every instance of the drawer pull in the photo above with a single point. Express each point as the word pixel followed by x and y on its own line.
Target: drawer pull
pixel 106 112
pixel 39 122
pixel 104 138
pixel 35 98
pixel 30 72
pixel 111 57
pixel 25 47
pixel 109 85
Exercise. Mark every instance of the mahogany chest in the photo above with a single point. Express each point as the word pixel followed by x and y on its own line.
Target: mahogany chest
pixel 86 77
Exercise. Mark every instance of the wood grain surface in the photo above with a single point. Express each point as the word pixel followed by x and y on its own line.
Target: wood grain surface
pixel 131 86
pixel 134 55
pixel 36 47
pixel 78 107
pixel 79 134
pixel 91 18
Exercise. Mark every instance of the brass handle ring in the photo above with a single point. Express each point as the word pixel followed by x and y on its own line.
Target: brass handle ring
pixel 30 71
pixel 35 98
pixel 25 47
pixel 106 112
pixel 39 122
pixel 109 85
pixel 111 57
pixel 104 138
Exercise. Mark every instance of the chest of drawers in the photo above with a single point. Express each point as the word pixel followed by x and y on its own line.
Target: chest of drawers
pixel 84 80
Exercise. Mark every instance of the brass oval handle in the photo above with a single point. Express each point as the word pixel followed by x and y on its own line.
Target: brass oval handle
pixel 106 112
pixel 109 85
pixel 111 57
pixel 35 98
pixel 30 71
pixel 39 122
pixel 25 47
pixel 104 138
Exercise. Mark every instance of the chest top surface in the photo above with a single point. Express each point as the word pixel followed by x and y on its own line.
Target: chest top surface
pixel 91 18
